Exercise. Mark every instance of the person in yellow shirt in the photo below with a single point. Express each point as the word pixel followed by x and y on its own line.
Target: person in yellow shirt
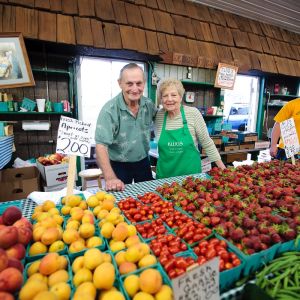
pixel 290 110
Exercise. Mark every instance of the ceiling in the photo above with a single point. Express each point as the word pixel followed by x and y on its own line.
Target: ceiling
pixel 282 13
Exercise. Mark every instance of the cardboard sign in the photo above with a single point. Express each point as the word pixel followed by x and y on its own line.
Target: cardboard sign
pixel 290 137
pixel 74 137
pixel 226 75
pixel 201 283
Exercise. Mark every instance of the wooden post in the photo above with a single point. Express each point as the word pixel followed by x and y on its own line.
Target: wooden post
pixel 71 174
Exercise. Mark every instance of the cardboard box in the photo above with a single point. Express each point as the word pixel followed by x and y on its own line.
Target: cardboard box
pixel 54 174
pixel 247 136
pixel 230 146
pixel 247 146
pixel 217 139
pixel 17 184
pixel 228 158
pixel 262 144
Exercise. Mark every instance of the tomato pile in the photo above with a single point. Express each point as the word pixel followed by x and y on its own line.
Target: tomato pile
pixel 151 229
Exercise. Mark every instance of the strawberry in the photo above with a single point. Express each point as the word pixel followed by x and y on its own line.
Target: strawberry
pixel 237 234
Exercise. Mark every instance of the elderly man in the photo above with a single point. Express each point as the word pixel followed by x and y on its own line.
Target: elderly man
pixel 123 132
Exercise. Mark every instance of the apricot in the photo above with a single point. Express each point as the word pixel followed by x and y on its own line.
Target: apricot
pixel 45 295
pixel 78 264
pixel 87 218
pixel 38 232
pixel 83 275
pixel 49 264
pixel 31 289
pixel 77 214
pixel 47 205
pixel 150 281
pixel 65 210
pixel 87 288
pixel 143 296
pixel 92 258
pixel 133 254
pixel 8 236
pixel 37 248
pixel 49 222
pixel 120 257
pixel 76 247
pixel 33 268
pixel 165 293
pixel 117 246
pixel 131 285
pixel 115 295
pixel 62 290
pixel 132 240
pixel 83 204
pixel 58 219
pixel 73 224
pixel 70 235
pixel 120 233
pixel 38 277
pixel 104 276
pixel 58 276
pixel 106 257
pixel 11 280
pixel 127 267
pixel 50 236
pixel 101 214
pixel 110 197
pixel 73 200
pixel 57 246
pixel 62 262
pixel 131 230
pixel 92 201
pixel 94 241
pixel 108 204
pixel 17 251
pixel 100 195
pixel 107 230
pixel 86 230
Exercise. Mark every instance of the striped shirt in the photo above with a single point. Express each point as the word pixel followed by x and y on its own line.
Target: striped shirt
pixel 197 128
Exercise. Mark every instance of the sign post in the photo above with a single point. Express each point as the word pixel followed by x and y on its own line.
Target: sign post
pixel 290 138
pixel 73 138
pixel 226 75
pixel 201 283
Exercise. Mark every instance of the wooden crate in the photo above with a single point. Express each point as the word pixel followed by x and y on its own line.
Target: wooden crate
pixel 228 158
pixel 247 146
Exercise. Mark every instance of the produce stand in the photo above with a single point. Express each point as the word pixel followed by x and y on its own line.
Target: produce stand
pixel 249 263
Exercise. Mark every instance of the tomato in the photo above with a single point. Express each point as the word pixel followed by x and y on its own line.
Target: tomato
pixel 228 266
pixel 173 244
pixel 163 259
pixel 169 265
pixel 137 217
pixel 224 255
pixel 203 243
pixel 210 253
pixel 223 244
pixel 201 260
pixel 156 251
pixel 196 250
pixel 174 249
pixel 172 273
pixel 221 265
pixel 183 247
pixel 197 237
pixel 181 263
pixel 188 235
pixel 236 262
pixel 179 272
pixel 214 241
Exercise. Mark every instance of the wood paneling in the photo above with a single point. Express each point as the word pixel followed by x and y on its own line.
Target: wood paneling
pixel 9 18
pixel 224 54
pixel 255 27
pixel 65 29
pixel 217 16
pixel 97 32
pixel 119 12
pixel 225 35
pixel 69 7
pixel 203 13
pixel 214 33
pixel 148 18
pixel 112 30
pixel 86 8
pixel 152 42
pixel 134 16
pixel 255 63
pixel 162 43
pixel 151 3
pixel 83 31
pixel 161 5
pixel 254 42
pixel 202 31
pixel 267 63
pixel 170 6
pixel 47 32
pixel 191 10
pixel 55 5
pixel 29 3
pixel 128 38
pixel 163 22
pixel 141 41
pixel 44 4
pixel 104 10
pixel 179 25
pixel 240 38
pixel 27 22
pixel 179 7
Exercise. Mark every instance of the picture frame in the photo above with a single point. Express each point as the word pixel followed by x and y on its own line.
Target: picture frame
pixel 15 69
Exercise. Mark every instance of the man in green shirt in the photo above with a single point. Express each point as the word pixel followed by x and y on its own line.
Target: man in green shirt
pixel 123 132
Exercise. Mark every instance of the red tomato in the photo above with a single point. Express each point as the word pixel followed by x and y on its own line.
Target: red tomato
pixel 201 260
pixel 210 253
pixel 172 273
pixel 236 262
pixel 228 266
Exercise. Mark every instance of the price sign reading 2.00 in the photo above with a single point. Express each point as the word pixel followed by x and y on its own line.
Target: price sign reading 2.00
pixel 74 137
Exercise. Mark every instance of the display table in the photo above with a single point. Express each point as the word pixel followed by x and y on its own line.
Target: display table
pixel 6 148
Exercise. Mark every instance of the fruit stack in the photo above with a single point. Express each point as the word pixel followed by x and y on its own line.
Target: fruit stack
pixel 15 234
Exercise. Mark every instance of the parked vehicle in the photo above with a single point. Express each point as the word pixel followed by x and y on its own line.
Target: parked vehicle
pixel 238 117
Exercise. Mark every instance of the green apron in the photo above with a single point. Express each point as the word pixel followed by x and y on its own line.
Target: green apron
pixel 177 152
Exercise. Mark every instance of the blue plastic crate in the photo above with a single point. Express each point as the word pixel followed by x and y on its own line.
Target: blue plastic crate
pixel 5 205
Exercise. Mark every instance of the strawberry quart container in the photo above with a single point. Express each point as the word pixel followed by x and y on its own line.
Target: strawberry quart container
pixel 234 263
pixel 256 260
pixel 293 245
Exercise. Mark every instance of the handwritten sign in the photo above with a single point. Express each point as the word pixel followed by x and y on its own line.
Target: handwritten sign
pixel 201 283
pixel 206 165
pixel 74 137
pixel 290 137
pixel 225 77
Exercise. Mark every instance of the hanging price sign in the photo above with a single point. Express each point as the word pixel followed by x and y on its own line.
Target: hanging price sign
pixel 290 137
pixel 226 75
pixel 200 283
pixel 74 137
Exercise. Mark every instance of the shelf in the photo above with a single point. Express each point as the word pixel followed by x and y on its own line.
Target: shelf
pixel 241 151
pixel 53 71
pixel 284 96
pixel 212 116
pixel 33 113
pixel 197 83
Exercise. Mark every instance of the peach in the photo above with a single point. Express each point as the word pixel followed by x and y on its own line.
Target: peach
pixel 6 296
pixel 49 264
pixel 150 281
pixel 24 235
pixel 63 262
pixel 108 204
pixel 11 280
pixel 76 246
pixel 87 218
pixel 127 267
pixel 94 241
pixel 77 214
pixel 15 263
pixel 70 235
pixel 3 260
pixel 17 251
pixel 11 215
pixel 50 236
pixel 62 290
pixel 8 236
pixel 120 257
pixel 58 276
pixel 23 222
pixel 132 240
pixel 87 230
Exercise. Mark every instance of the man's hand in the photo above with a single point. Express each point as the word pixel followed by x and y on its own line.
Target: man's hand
pixel 273 150
pixel 114 185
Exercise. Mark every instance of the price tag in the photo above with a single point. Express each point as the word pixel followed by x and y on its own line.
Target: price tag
pixel 201 283
pixel 226 75
pixel 290 137
pixel 74 137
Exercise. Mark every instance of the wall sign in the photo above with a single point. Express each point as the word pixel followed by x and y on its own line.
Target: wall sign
pixel 200 283
pixel 226 75
pixel 74 137
pixel 290 137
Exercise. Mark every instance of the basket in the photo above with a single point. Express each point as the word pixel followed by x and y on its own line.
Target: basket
pixel 5 205
pixel 28 104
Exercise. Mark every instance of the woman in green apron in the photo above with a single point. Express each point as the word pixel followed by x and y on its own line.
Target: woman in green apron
pixel 179 130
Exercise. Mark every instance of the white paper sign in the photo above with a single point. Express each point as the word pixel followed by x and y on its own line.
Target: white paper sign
pixel 225 77
pixel 74 137
pixel 201 283
pixel 290 137
pixel 206 165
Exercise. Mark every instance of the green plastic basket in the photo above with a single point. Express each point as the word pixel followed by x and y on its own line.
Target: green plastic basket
pixel 5 205
pixel 293 245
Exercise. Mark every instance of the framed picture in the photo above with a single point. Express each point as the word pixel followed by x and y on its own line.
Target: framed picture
pixel 15 70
